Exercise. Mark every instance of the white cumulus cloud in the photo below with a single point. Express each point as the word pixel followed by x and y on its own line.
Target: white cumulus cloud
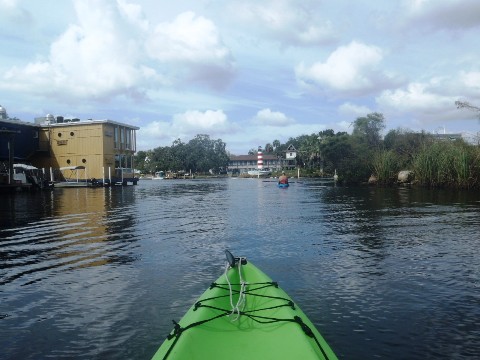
pixel 285 21
pixel 188 38
pixel 470 83
pixel 95 58
pixel 111 51
pixel 197 121
pixel 415 97
pixel 185 126
pixel 272 118
pixel 194 43
pixel 353 68
pixel 353 110
pixel 436 95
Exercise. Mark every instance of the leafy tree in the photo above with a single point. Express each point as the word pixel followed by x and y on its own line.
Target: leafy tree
pixel 309 150
pixel 141 161
pixel 326 133
pixel 337 153
pixel 405 143
pixel 368 129
pixel 276 144
pixel 206 154
pixel 198 155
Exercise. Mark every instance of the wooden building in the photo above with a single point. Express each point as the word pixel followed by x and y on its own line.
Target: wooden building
pixel 104 147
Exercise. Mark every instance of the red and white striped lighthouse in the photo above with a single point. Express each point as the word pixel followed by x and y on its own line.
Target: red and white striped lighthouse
pixel 260 158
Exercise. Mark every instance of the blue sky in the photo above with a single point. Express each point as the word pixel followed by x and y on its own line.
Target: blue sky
pixel 248 72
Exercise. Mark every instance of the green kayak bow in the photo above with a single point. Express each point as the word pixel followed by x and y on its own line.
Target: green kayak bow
pixel 244 315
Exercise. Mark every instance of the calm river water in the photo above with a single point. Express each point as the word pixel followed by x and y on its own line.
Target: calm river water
pixel 100 273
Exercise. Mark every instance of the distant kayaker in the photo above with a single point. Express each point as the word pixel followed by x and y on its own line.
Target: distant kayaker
pixel 283 179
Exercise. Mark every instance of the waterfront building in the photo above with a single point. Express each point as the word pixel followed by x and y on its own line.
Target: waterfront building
pixel 105 148
pixel 242 164
pixel 19 136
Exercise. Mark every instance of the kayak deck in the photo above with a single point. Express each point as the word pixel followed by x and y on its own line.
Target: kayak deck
pixel 265 325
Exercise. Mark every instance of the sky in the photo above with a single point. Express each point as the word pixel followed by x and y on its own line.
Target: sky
pixel 248 72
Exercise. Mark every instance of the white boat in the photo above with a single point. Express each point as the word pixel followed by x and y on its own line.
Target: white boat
pixel 72 177
pixel 28 175
pixel 71 184
pixel 261 172
pixel 159 175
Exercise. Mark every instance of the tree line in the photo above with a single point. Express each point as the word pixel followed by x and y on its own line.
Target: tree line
pixel 434 161
pixel 199 155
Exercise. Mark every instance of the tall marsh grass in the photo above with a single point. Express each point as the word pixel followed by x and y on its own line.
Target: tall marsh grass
pixel 385 165
pixel 447 164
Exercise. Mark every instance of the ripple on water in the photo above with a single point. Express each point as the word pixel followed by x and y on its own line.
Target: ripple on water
pixel 386 273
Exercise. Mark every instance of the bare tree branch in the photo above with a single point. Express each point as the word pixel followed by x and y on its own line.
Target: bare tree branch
pixel 466 105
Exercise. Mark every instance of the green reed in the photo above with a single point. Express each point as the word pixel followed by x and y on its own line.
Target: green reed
pixel 385 165
pixel 447 164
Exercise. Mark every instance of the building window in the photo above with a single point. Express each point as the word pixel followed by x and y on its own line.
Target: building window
pixel 72 133
pixel 84 161
pixel 128 139
pixel 115 137
pixel 59 134
pixel 68 161
pixel 123 161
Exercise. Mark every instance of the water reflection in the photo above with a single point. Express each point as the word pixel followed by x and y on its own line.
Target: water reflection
pixel 84 228
pixel 396 251
pixel 15 208
pixel 100 273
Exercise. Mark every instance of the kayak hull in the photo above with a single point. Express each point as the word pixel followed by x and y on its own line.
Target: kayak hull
pixel 283 185
pixel 270 325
